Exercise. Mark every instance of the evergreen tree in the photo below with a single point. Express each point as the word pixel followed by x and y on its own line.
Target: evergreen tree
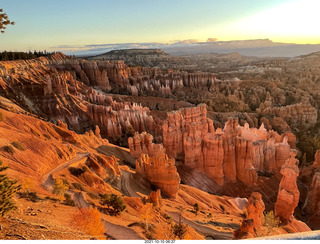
pixel 4 21
pixel 7 188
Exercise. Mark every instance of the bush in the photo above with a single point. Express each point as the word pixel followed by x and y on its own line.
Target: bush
pixel 78 186
pixel 59 187
pixel 68 201
pixel 18 145
pixel 89 221
pixel 76 171
pixel 31 196
pixel 114 203
pixel 7 188
pixel 179 230
pixel 271 221
pixel 196 208
pixel 8 149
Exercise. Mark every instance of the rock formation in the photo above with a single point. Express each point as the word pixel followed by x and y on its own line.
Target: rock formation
pixel 255 208
pixel 233 153
pixel 316 162
pixel 142 143
pixel 314 195
pixel 288 195
pixel 161 171
pixel 254 219
pixel 155 197
pixel 305 114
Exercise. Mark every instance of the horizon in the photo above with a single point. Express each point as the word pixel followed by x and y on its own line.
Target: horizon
pixel 61 26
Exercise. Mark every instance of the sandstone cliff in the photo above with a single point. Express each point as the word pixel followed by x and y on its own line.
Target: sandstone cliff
pixel 161 171
pixel 233 153
pixel 142 144
pixel 254 219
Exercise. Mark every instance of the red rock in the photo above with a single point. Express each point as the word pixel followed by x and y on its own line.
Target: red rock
pixel 288 195
pixel 305 114
pixel 255 208
pixel 142 143
pixel 233 153
pixel 160 171
pixel 316 163
pixel 155 197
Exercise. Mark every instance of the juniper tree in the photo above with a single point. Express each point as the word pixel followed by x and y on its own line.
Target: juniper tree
pixel 7 188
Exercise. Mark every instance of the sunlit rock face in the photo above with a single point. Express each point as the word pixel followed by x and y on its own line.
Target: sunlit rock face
pixel 161 171
pixel 304 114
pixel 234 153
pixel 288 195
pixel 143 143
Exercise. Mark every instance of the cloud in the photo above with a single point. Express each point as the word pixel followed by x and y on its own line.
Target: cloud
pixel 188 41
pixel 212 39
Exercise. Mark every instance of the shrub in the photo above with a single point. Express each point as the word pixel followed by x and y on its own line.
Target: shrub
pixel 89 221
pixel 18 145
pixel 271 221
pixel 8 149
pixel 7 188
pixel 59 187
pixel 196 208
pixel 31 196
pixel 76 171
pixel 114 203
pixel 68 201
pixel 78 186
pixel 179 230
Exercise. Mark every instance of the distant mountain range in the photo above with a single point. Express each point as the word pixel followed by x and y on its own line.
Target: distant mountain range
pixel 258 48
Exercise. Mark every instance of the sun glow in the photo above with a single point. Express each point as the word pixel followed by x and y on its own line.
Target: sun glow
pixel 295 21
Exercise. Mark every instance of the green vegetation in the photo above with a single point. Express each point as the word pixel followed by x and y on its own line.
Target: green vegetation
pixel 114 203
pixel 18 145
pixel 77 171
pixel 68 201
pixel 179 230
pixel 78 186
pixel 7 188
pixel 308 143
pixel 60 187
pixel 31 196
pixel 8 56
pixel 271 221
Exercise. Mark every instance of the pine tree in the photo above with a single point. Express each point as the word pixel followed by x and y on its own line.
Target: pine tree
pixel 7 188
pixel 4 21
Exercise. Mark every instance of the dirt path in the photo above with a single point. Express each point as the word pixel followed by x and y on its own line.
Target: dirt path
pixel 47 179
pixel 204 230
pixel 119 232
pixel 126 182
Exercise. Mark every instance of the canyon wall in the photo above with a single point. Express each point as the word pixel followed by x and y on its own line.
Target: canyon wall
pixel 161 171
pixel 236 152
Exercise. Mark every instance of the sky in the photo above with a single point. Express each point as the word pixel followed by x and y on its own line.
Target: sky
pixel 78 24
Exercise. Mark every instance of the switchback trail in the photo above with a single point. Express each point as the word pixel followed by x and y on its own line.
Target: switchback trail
pixel 204 230
pixel 47 180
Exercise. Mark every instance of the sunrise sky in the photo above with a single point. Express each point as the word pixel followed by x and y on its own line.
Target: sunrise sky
pixel 69 24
